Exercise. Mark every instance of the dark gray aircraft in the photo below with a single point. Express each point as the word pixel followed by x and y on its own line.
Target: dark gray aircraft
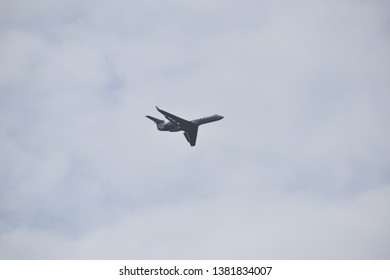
pixel 175 124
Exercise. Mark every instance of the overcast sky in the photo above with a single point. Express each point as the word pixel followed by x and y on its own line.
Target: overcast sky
pixel 299 168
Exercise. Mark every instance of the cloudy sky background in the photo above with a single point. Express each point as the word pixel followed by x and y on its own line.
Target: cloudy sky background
pixel 299 168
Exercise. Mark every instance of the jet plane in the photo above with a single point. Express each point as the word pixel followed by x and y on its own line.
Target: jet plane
pixel 175 124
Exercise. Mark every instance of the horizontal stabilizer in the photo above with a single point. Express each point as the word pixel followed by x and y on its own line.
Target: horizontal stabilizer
pixel 155 119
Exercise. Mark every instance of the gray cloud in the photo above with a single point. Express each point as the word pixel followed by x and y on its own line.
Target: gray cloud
pixel 297 169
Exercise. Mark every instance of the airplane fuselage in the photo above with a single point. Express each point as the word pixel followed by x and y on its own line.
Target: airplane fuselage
pixel 172 127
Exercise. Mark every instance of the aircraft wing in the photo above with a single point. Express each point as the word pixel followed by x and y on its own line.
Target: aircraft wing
pixel 190 128
pixel 175 119
pixel 191 134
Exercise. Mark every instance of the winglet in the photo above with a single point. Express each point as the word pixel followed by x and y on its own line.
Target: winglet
pixel 162 111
